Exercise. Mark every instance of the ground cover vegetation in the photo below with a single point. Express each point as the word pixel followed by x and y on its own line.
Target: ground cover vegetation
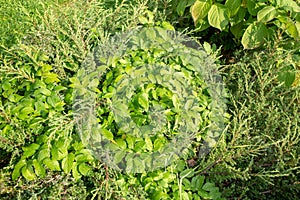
pixel 255 46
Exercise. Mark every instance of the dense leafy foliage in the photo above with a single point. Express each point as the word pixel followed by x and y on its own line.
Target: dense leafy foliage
pixel 43 48
pixel 251 22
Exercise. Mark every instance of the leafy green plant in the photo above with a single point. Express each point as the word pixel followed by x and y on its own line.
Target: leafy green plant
pixel 251 22
pixel 153 100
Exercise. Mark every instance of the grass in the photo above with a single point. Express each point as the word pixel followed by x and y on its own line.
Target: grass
pixel 256 158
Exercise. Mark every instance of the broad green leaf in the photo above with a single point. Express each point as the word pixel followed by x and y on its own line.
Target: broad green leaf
pixel 292 28
pixel 196 197
pixel 202 193
pixel 139 165
pixel 52 164
pixel 58 153
pixel 166 25
pixel 181 7
pixel 255 35
pixel 119 156
pixel 202 24
pixel 143 101
pixel 87 153
pixel 130 141
pixel 38 168
pixel 121 143
pixel 17 169
pixel 158 144
pixel 94 83
pixel 288 5
pixel 208 186
pixel 239 17
pixel 233 6
pixel 84 169
pixel 187 173
pixel 106 133
pixel 44 153
pixel 26 110
pixel 197 182
pixel 266 14
pixel 160 195
pixel 139 146
pixel 15 98
pixel 84 158
pixel 75 172
pixel 148 143
pixel 287 77
pixel 28 172
pixel 217 16
pixel 6 85
pixel 50 78
pixel 185 195
pixel 42 138
pixel 67 163
pixel 253 7
pixel 30 150
pixel 45 91
pixel 200 9
pixel 7 128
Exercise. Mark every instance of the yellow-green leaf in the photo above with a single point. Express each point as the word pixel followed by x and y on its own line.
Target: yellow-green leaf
pixel 200 9
pixel 217 16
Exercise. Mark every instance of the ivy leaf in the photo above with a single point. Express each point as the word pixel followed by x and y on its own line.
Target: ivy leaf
pixel 255 35
pixel 217 16
pixel 266 14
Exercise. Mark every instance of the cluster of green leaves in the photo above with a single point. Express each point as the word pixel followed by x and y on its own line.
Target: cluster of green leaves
pixel 252 22
pixel 175 182
pixel 31 98
pixel 41 155
pixel 158 71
